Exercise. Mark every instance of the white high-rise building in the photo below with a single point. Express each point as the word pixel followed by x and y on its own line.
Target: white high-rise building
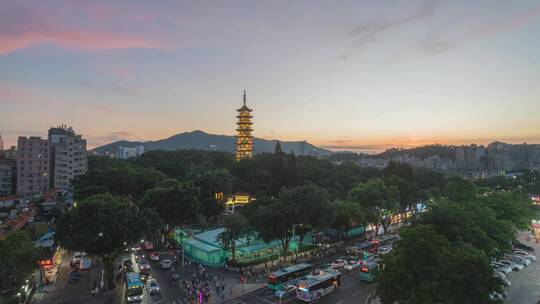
pixel 68 156
pixel 1 143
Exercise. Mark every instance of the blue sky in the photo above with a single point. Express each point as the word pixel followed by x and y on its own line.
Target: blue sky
pixel 336 73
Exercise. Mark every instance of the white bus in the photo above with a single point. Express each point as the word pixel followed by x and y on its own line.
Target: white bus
pixel 318 284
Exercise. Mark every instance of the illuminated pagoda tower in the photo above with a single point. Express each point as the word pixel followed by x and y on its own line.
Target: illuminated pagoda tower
pixel 244 138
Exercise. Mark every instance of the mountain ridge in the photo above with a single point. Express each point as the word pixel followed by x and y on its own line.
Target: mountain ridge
pixel 201 140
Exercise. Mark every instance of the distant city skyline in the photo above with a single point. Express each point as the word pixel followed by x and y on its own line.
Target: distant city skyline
pixel 350 75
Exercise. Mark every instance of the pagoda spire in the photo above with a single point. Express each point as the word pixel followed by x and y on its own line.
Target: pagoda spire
pixel 244 97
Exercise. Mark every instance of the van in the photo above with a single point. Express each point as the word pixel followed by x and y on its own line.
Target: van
pixel 85 263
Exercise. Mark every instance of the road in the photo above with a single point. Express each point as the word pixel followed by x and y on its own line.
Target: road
pixel 352 291
pixel 170 292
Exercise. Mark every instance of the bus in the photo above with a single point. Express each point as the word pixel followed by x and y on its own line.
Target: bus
pixel 366 246
pixel 370 270
pixel 387 239
pixel 134 287
pixel 314 286
pixel 278 278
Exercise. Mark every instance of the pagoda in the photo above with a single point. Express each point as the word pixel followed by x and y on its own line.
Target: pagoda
pixel 244 138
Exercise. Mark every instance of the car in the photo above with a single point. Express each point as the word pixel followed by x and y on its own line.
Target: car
pixel 523 247
pixel 154 256
pixel 525 254
pixel 85 263
pixel 127 265
pixel 512 265
pixel 144 264
pixel 384 249
pixel 138 254
pixel 166 264
pixel 135 247
pixel 287 289
pixel 74 276
pixel 501 267
pixel 152 286
pixel 495 296
pixel 77 257
pixel 339 263
pixel 145 275
pixel 503 279
pixel 519 259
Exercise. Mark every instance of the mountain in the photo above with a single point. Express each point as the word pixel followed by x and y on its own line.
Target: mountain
pixel 204 141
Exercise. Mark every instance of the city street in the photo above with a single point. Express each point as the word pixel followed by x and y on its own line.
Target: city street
pixel 352 291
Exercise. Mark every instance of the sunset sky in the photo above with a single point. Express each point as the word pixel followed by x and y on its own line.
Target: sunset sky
pixel 349 74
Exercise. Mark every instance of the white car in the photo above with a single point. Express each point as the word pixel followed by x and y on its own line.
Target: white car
pixel 496 296
pixel 501 267
pixel 524 254
pixel 384 249
pixel 166 264
pixel 153 286
pixel 353 265
pixel 339 263
pixel 288 289
pixel 519 259
pixel 512 265
pixel 77 256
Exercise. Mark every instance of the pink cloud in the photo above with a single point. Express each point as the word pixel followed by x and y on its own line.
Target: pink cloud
pixel 74 39
pixel 23 26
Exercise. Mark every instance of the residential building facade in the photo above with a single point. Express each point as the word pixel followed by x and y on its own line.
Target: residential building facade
pixel 33 161
pixel 8 177
pixel 68 156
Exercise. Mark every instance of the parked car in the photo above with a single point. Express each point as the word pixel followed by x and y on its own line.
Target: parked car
pixel 519 259
pixel 501 267
pixel 525 254
pixel 504 280
pixel 154 256
pixel 353 265
pixel 85 263
pixel 495 296
pixel 152 286
pixel 339 263
pixel 523 247
pixel 512 265
pixel 166 264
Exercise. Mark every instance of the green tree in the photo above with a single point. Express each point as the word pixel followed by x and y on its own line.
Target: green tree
pixel 425 268
pixel 309 206
pixel 460 190
pixel 377 200
pixel 347 216
pixel 470 223
pixel 176 203
pixel 272 222
pixel 102 225
pixel 18 256
pixel 408 192
pixel 235 227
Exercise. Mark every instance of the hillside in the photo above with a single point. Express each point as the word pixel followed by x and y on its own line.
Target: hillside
pixel 204 141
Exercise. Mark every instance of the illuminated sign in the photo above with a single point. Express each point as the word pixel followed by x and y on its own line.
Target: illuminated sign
pixel 47 262
pixel 364 269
